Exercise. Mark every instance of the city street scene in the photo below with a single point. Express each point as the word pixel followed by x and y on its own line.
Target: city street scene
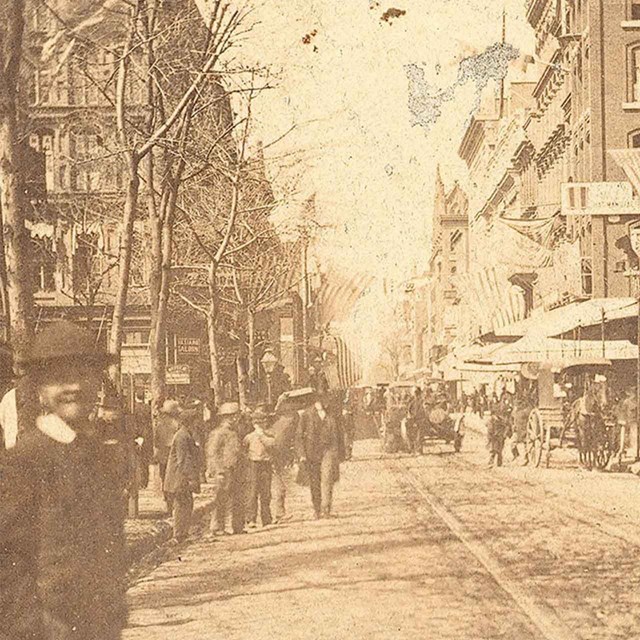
pixel 319 319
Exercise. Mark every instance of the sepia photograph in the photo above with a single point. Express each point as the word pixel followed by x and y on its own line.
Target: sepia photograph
pixel 319 319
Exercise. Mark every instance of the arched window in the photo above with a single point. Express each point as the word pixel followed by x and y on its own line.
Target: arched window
pixel 633 72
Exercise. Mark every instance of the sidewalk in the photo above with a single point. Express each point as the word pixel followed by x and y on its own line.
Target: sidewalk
pixel 153 526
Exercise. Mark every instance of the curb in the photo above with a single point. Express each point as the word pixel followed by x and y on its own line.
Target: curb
pixel 162 532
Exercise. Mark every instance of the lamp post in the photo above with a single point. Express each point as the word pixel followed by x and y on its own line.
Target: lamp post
pixel 269 362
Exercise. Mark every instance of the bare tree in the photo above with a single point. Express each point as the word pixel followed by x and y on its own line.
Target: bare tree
pixel 15 238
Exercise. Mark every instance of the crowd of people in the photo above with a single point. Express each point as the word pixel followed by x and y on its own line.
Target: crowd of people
pixel 69 458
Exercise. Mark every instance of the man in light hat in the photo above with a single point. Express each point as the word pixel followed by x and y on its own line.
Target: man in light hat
pixel 166 429
pixel 259 445
pixel 225 470
pixel 62 547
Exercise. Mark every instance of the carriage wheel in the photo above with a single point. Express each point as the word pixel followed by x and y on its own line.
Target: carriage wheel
pixel 535 438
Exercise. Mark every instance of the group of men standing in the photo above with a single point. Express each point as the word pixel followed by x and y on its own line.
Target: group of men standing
pixel 246 459
pixel 66 465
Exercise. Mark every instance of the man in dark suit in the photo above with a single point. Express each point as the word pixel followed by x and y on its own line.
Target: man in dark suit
pixel 63 563
pixel 320 445
pixel 182 478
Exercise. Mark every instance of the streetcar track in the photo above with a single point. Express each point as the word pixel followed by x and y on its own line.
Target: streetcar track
pixel 531 492
pixel 543 618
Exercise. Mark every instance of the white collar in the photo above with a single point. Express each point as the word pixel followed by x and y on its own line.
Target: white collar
pixel 56 428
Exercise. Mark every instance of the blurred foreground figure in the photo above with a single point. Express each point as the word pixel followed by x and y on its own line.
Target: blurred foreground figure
pixel 62 545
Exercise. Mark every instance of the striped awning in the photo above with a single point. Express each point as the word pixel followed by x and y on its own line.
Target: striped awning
pixel 347 364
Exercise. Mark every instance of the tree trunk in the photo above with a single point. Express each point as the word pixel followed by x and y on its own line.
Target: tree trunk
pixel 12 202
pixel 251 342
pixel 242 382
pixel 216 381
pixel 124 263
pixel 157 337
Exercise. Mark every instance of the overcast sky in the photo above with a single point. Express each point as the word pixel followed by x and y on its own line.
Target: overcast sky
pixel 346 88
pixel 347 91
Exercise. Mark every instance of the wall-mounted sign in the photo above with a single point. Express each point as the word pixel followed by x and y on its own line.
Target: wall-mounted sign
pixel 188 346
pixel 178 374
pixel 599 199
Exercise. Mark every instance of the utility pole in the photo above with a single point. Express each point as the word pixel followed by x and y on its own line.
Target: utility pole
pixel 305 299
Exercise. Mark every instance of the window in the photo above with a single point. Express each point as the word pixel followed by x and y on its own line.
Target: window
pixel 634 10
pixel 42 142
pixel 586 270
pixel 135 338
pixel 85 149
pixel 286 330
pixel 634 73
pixel 44 265
pixel 634 140
pixel 85 263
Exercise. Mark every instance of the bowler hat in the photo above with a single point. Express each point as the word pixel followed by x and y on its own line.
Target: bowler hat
pixel 228 409
pixel 65 341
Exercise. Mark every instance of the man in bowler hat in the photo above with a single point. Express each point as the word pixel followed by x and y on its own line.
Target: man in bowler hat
pixel 62 546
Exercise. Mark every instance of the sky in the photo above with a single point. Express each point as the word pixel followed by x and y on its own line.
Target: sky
pixel 348 92
pixel 375 106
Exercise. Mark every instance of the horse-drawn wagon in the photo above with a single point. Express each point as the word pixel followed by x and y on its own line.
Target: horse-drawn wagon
pixel 570 410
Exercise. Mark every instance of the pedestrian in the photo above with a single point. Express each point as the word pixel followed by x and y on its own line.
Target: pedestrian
pixel 63 566
pixel 348 423
pixel 498 430
pixel 521 412
pixel 166 429
pixel 182 477
pixel 224 470
pixel 320 447
pixel 284 431
pixel 259 446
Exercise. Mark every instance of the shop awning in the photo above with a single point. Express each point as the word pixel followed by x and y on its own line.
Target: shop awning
pixel 566 352
pixel 571 316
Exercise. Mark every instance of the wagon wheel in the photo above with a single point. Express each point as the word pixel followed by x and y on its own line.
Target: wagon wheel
pixel 535 438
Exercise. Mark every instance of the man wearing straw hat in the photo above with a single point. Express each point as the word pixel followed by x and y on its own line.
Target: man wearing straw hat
pixel 225 470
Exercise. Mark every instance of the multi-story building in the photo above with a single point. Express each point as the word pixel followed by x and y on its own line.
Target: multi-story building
pixel 76 184
pixel 438 317
pixel 551 208
pixel 587 104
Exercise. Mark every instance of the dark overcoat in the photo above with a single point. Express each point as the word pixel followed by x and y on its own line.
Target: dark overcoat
pixel 316 437
pixel 183 465
pixel 63 558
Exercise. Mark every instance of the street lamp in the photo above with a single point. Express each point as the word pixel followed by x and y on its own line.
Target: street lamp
pixel 269 362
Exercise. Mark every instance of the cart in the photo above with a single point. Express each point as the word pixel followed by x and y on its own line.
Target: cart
pixel 552 423
pixel 546 420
